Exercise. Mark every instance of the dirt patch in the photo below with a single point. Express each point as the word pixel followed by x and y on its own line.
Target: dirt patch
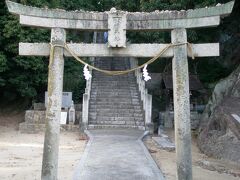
pixel 204 168
pixel 12 119
pixel 21 154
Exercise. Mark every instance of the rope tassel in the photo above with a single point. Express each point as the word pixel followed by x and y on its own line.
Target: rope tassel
pixel 145 73
pixel 86 73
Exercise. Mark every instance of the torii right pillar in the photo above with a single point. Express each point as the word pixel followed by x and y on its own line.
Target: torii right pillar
pixel 181 105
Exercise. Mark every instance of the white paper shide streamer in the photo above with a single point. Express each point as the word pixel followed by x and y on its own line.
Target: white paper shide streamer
pixel 86 73
pixel 145 73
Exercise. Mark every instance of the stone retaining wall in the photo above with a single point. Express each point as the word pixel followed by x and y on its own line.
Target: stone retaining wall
pixel 35 120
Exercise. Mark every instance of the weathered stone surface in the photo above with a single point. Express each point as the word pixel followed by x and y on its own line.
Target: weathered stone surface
pixel 222 10
pixel 132 50
pixel 53 112
pixel 62 23
pixel 164 142
pixel 173 23
pixel 16 8
pixel 117 22
pixel 136 21
pixel 182 121
pixel 36 128
pixel 219 133
pixel 39 106
pixel 221 137
pixel 35 120
pixel 226 87
pixel 92 25
pixel 35 116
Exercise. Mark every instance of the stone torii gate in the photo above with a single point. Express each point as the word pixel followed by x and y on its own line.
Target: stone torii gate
pixel 117 23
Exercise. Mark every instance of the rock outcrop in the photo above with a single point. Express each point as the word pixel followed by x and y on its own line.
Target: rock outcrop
pixel 219 134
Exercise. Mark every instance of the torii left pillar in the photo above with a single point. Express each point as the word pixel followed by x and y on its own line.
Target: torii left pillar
pixel 53 113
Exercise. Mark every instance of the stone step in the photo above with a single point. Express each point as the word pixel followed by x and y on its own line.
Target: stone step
pixel 95 126
pixel 119 88
pixel 117 104
pixel 120 78
pixel 115 114
pixel 130 78
pixel 126 78
pixel 114 77
pixel 114 93
pixel 116 80
pixel 109 118
pixel 115 99
pixel 114 106
pixel 116 110
pixel 112 88
pixel 116 90
pixel 115 86
pixel 133 123
pixel 128 96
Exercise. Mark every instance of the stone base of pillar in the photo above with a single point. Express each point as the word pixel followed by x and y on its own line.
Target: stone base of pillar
pixel 83 126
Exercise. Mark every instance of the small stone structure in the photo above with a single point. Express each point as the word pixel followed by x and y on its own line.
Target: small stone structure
pixel 163 141
pixel 71 114
pixel 34 120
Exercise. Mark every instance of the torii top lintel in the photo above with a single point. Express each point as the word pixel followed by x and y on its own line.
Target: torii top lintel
pixel 118 22
pixel 84 20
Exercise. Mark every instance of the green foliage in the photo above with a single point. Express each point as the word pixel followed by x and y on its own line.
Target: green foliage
pixel 73 79
pixel 3 62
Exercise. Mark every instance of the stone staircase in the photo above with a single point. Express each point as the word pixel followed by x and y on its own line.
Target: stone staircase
pixel 115 100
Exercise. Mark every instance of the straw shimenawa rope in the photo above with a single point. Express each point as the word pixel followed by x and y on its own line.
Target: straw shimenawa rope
pixel 114 73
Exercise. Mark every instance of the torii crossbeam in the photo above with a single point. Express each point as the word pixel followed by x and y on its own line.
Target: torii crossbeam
pixel 117 23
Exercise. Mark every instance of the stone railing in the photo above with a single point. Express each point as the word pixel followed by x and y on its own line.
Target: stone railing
pixel 85 103
pixel 86 95
pixel 145 97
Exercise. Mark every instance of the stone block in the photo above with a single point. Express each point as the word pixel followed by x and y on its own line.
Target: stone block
pixel 39 106
pixel 117 22
pixel 36 128
pixel 164 143
pixel 32 116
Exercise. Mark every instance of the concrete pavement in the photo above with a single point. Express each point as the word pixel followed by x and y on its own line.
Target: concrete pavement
pixel 116 155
